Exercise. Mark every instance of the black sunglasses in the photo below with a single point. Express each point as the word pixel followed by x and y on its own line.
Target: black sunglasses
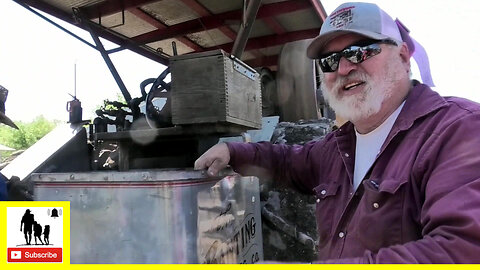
pixel 355 54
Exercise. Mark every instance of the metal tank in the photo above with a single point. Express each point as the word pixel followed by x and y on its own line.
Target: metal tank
pixel 158 216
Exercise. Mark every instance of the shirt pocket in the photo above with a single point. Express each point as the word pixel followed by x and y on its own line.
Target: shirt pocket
pixel 380 213
pixel 326 209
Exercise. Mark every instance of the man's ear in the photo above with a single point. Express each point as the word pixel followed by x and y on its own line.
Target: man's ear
pixel 405 56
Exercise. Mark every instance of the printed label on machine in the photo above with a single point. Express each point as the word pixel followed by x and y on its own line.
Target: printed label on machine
pixel 229 225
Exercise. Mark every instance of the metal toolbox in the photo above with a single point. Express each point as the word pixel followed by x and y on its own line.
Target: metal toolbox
pixel 158 216
pixel 215 88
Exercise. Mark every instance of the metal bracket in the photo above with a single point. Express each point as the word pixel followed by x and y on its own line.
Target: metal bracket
pixel 252 75
pixel 113 26
pixel 243 68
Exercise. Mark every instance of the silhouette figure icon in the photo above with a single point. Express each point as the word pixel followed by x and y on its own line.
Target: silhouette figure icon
pixel 37 232
pixel 27 224
pixel 46 234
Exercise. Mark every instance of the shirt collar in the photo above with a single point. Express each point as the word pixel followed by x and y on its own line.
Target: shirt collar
pixel 420 101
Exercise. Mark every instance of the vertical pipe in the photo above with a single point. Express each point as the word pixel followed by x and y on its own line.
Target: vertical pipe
pixel 75 79
pixel 99 46
pixel 245 28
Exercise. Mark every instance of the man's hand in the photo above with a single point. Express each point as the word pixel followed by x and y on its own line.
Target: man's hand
pixel 19 190
pixel 214 160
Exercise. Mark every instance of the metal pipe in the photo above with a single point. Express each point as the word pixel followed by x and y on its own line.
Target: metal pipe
pixel 106 33
pixel 111 66
pixel 99 47
pixel 104 53
pixel 245 28
pixel 174 48
pixel 56 24
pixel 114 50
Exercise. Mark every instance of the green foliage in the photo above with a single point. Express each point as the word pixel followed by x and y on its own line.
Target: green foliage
pixel 106 106
pixel 27 134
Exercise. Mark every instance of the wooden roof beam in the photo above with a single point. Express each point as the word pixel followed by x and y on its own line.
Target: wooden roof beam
pixel 203 12
pixel 264 61
pixel 110 7
pixel 215 21
pixel 319 9
pixel 274 25
pixel 158 24
pixel 272 40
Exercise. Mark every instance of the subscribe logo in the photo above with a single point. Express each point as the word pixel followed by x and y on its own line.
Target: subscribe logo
pixel 34 255
pixel 40 236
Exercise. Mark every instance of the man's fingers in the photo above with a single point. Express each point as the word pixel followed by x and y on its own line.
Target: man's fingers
pixel 202 163
pixel 216 166
pixel 199 164
pixel 215 159
pixel 213 166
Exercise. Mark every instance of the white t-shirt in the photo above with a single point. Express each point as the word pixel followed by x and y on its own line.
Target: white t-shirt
pixel 368 147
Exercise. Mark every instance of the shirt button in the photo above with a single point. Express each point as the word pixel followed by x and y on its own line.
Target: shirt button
pixel 341 234
pixel 347 155
pixel 323 192
pixel 376 205
pixel 318 200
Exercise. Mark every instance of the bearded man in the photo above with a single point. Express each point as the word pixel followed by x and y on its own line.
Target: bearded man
pixel 400 181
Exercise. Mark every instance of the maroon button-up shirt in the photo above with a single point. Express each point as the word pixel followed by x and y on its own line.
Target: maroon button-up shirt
pixel 420 203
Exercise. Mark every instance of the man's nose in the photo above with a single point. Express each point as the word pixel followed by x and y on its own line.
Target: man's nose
pixel 345 67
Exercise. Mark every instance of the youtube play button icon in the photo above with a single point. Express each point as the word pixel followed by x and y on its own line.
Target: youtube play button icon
pixel 16 255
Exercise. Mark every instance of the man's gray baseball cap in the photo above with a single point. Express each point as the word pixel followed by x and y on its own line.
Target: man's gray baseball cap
pixel 365 19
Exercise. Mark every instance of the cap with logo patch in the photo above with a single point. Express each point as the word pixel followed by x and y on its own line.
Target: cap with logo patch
pixel 371 21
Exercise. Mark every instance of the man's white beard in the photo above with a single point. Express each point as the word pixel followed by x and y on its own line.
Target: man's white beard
pixel 366 103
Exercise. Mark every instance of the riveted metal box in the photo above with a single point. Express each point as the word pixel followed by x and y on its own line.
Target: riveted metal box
pixel 213 87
